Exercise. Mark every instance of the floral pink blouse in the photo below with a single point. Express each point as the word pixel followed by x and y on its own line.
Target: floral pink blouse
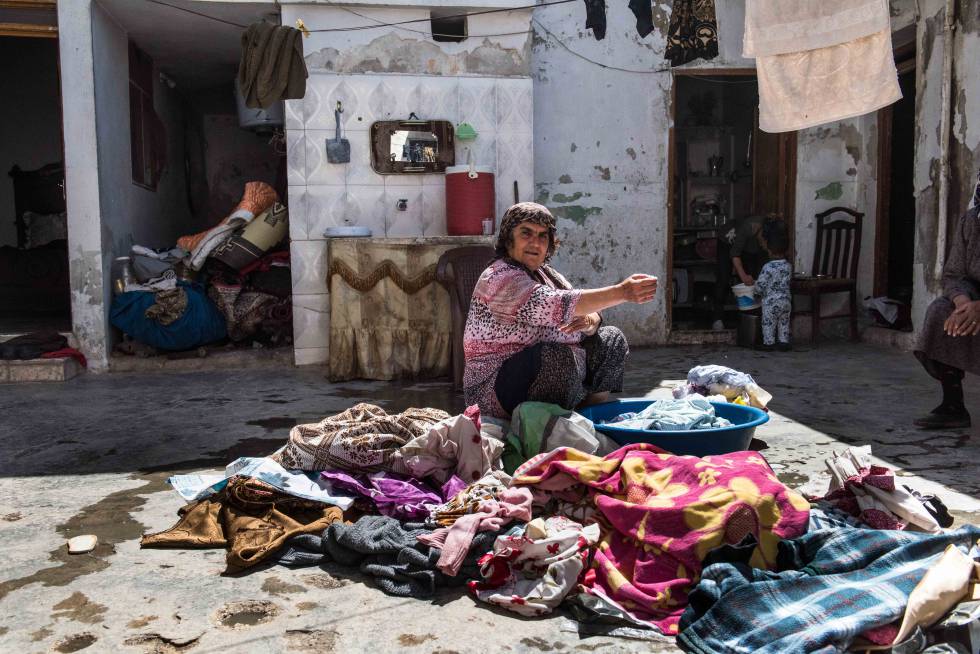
pixel 511 310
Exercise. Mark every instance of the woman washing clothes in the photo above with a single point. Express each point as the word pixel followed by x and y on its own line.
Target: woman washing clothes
pixel 530 335
pixel 949 345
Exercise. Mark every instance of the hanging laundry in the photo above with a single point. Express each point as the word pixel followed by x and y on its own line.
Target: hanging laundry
pixel 692 33
pixel 643 10
pixel 595 18
pixel 820 62
pixel 272 66
pixel 252 519
pixel 820 599
pixel 663 513
pixel 532 573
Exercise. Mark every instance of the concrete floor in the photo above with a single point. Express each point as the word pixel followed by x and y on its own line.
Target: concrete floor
pixel 92 456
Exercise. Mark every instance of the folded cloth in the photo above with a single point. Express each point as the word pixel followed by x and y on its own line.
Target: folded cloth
pixel 532 575
pixel 775 27
pixel 272 67
pixel 361 439
pixel 832 585
pixel 168 306
pixel 391 494
pixel 256 198
pixel 67 352
pixel 467 500
pixel 456 541
pixel 662 514
pixel 684 414
pixel 249 517
pixel 868 492
pixel 150 264
pixel 385 549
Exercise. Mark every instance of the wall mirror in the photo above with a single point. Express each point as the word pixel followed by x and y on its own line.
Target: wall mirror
pixel 412 146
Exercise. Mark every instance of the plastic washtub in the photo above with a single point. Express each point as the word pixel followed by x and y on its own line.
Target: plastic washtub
pixel 695 442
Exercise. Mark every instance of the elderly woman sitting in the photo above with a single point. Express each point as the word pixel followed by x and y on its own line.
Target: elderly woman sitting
pixel 530 336
pixel 949 344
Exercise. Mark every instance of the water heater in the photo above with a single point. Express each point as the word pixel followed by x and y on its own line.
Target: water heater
pixel 259 120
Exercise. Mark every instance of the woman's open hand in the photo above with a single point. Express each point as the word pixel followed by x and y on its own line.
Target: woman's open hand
pixel 586 323
pixel 638 288
pixel 965 320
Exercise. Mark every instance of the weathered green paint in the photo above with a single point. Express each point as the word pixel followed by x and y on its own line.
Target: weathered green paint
pixel 543 195
pixel 832 191
pixel 561 197
pixel 565 179
pixel 576 213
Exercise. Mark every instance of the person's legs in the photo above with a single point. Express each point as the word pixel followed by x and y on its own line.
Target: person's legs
pixel 515 377
pixel 605 361
pixel 951 412
pixel 783 325
pixel 770 316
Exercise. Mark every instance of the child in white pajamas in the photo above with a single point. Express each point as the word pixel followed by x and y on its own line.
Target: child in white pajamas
pixel 773 285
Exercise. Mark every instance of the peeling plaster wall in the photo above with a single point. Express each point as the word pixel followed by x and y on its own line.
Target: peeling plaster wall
pixel 837 167
pixel 601 146
pixel 386 74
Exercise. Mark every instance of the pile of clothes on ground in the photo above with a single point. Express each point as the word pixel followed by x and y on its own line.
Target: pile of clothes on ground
pixel 231 281
pixel 545 512
pixel 39 345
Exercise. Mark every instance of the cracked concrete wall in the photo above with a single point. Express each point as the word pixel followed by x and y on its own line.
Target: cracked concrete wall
pixel 85 260
pixel 964 151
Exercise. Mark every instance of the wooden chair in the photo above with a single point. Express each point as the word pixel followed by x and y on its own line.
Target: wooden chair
pixel 835 262
pixel 458 270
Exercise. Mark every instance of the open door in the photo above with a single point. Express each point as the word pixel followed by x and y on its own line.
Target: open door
pixel 774 176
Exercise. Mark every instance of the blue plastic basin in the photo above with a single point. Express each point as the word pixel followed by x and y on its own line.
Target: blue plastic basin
pixel 695 442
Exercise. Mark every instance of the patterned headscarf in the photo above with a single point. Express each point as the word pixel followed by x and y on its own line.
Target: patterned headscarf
pixel 526 212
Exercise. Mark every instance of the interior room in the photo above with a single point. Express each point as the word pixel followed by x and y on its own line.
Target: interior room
pixel 34 292
pixel 724 169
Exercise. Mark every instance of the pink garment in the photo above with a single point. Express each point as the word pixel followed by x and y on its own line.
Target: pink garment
pixel 455 541
pixel 511 310
pixel 451 446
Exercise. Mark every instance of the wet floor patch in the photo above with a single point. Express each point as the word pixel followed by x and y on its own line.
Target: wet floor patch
pixel 12 517
pixel 110 519
pixel 153 643
pixel 79 608
pixel 274 424
pixel 75 643
pixel 276 586
pixel 311 640
pixel 410 640
pixel 246 614
pixel 140 622
pixel 307 606
pixel 40 634
pixel 542 645
pixel 324 581
pixel 792 479
pixel 221 458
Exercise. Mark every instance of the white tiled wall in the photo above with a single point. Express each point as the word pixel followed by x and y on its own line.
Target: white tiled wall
pixel 323 194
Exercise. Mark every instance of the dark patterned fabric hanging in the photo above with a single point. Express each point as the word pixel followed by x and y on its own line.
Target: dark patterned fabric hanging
pixel 643 11
pixel 693 32
pixel 595 18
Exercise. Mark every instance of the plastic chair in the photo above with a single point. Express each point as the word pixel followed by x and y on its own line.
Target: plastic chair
pixel 458 271
pixel 835 263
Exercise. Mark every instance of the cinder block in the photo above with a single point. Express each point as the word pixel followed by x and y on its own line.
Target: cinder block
pixel 41 370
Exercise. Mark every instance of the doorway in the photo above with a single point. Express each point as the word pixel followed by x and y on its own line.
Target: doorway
pixel 723 170
pixel 895 227
pixel 34 280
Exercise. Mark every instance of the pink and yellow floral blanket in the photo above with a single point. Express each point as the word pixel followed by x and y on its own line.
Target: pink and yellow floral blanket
pixel 660 514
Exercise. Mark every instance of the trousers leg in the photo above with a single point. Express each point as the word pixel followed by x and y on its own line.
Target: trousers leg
pixel 769 318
